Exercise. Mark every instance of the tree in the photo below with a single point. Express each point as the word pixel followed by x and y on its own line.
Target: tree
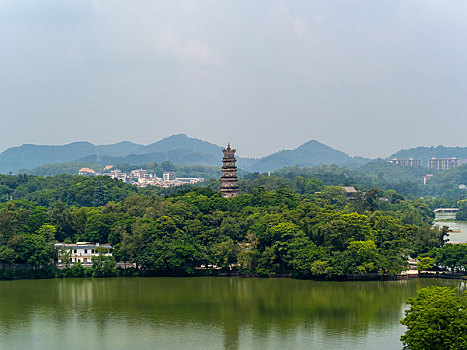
pixel 436 319
pixel 8 223
pixel 100 197
pixel 48 232
pixel 425 263
pixel 7 256
pixel 62 220
pixel 103 265
pixel 64 256
pixel 132 245
pixel 175 257
pixel 97 228
pixel 225 253
pixel 462 213
pixel 35 251
pixel 333 195
pixel 443 235
pixel 363 256
pixel 453 256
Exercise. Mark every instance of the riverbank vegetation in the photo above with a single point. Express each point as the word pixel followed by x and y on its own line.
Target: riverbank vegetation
pixel 436 319
pixel 305 230
pixel 451 257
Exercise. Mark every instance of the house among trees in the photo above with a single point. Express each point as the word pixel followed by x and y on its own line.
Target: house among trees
pixel 87 172
pixel 81 252
pixel 349 191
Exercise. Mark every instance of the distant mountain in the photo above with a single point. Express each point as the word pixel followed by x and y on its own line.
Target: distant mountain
pixel 121 149
pixel 425 153
pixel 31 156
pixel 178 149
pixel 309 154
pixel 181 142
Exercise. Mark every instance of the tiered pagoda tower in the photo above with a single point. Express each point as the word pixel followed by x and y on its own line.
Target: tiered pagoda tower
pixel 229 181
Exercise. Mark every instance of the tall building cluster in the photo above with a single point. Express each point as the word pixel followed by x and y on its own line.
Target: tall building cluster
pixel 433 163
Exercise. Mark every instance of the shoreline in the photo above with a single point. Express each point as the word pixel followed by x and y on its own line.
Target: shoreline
pixel 451 220
pixel 54 273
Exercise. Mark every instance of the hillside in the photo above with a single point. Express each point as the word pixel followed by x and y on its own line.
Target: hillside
pixel 425 153
pixel 386 171
pixel 185 151
pixel 178 149
pixel 309 154
pixel 31 156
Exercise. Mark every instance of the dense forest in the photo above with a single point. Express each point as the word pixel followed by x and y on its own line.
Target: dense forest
pixel 443 186
pixel 277 226
pixel 383 175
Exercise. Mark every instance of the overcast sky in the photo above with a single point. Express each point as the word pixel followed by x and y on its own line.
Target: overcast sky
pixel 366 77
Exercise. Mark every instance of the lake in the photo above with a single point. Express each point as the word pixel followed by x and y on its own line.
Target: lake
pixel 204 313
pixel 448 220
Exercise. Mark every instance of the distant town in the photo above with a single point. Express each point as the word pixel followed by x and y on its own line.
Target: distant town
pixel 433 163
pixel 141 177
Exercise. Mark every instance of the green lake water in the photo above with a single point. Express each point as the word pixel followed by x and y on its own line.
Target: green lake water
pixel 204 313
pixel 449 220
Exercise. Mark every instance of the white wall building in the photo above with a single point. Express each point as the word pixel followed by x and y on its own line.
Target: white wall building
pixel 83 252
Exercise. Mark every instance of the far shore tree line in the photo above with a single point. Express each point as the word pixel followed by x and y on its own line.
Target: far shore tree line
pixel 444 187
pixel 271 229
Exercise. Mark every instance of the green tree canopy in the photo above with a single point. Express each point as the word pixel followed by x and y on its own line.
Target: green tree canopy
pixel 436 319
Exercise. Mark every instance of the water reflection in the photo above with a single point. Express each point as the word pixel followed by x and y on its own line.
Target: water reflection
pixel 232 313
pixel 447 219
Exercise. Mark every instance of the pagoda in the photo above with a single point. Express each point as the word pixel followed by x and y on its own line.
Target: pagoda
pixel 229 181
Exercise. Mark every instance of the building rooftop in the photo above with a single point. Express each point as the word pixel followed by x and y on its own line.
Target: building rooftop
pixel 349 189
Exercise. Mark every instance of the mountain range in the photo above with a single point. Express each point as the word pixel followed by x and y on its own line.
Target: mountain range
pixel 183 150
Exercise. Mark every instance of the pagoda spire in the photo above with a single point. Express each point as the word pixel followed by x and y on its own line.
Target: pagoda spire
pixel 229 180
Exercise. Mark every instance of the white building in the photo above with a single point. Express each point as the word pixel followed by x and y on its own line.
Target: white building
pixel 86 172
pixel 443 163
pixel 140 174
pixel 83 252
pixel 189 180
pixel 168 176
pixel 117 174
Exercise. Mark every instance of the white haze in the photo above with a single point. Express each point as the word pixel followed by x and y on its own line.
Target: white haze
pixel 367 77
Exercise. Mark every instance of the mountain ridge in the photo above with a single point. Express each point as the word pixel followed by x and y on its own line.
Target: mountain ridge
pixel 183 150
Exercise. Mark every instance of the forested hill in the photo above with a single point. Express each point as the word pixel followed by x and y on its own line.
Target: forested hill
pixel 260 232
pixel 425 153
pixel 31 156
pixel 178 149
pixel 183 150
pixel 385 176
pixel 309 154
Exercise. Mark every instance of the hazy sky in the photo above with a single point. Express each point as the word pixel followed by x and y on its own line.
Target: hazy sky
pixel 366 77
